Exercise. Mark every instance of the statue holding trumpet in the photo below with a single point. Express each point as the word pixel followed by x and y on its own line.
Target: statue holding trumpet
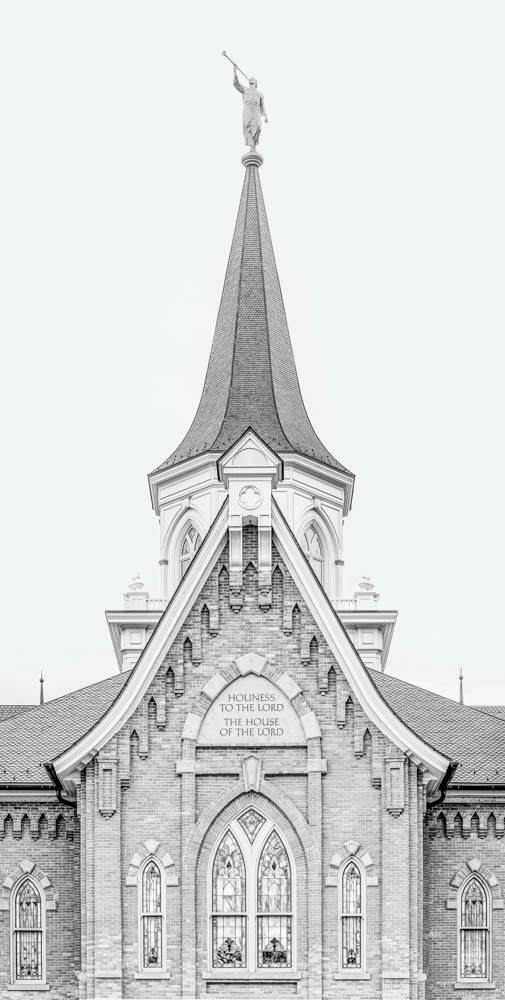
pixel 254 106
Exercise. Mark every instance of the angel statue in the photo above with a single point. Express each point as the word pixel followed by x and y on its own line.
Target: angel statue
pixel 254 109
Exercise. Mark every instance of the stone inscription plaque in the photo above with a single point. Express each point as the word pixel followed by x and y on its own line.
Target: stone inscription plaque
pixel 251 711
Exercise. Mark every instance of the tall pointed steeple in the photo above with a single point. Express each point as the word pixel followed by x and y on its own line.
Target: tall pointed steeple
pixel 251 378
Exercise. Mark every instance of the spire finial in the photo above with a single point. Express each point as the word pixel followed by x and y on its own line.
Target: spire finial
pixel 41 702
pixel 461 687
pixel 254 106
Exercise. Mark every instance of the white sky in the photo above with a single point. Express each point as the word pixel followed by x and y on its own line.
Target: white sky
pixel 120 179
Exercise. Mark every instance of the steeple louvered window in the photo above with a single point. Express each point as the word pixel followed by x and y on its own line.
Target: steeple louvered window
pixel 313 550
pixel 190 545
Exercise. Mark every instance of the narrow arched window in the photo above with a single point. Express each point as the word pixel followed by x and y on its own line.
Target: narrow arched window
pixel 27 933
pixel 274 906
pixel 190 545
pixel 313 550
pixel 474 931
pixel 351 918
pixel 229 919
pixel 151 917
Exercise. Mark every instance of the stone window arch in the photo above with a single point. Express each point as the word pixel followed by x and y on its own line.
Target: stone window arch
pixel 251 895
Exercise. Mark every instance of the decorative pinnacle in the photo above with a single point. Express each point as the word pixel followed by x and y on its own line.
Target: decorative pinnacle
pixel 41 699
pixel 461 701
pixel 136 584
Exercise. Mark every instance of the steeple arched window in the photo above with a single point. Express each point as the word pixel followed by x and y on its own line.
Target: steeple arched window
pixel 251 895
pixel 190 545
pixel 313 550
pixel 28 933
pixel 474 931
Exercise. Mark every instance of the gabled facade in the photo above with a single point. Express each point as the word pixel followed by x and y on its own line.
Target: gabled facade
pixel 248 808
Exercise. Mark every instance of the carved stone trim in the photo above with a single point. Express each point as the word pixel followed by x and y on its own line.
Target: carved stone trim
pixel 151 849
pixel 28 867
pixel 475 865
pixel 351 849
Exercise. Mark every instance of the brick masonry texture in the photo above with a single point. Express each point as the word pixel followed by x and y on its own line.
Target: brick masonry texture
pixel 89 854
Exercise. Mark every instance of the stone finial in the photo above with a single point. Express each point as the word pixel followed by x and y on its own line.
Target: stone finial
pixel 136 583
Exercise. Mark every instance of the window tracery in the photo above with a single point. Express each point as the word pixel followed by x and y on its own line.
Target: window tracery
pixel 28 933
pixel 474 920
pixel 313 550
pixel 251 897
pixel 190 545
pixel 351 917
pixel 229 905
pixel 151 917
pixel 274 905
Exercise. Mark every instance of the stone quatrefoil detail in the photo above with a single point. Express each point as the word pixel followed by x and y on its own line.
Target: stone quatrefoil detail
pixel 27 867
pixel 151 849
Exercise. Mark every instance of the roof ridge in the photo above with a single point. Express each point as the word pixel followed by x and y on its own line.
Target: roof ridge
pixel 68 694
pixel 436 694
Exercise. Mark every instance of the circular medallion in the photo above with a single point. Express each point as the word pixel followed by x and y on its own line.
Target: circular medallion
pixel 249 497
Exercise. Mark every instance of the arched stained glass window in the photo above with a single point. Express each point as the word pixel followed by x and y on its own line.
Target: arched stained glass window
pixel 190 545
pixel 274 905
pixel 151 917
pixel 351 916
pixel 28 941
pixel 313 550
pixel 229 920
pixel 474 931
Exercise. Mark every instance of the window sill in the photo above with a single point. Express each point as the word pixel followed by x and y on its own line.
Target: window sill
pixel 28 987
pixel 352 975
pixel 152 974
pixel 468 984
pixel 244 975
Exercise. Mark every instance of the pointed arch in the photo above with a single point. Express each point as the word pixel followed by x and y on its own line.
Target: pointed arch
pixel 151 916
pixel 274 905
pixel 27 932
pixel 228 905
pixel 351 916
pixel 474 930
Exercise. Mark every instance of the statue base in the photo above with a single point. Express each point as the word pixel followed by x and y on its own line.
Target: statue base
pixel 252 159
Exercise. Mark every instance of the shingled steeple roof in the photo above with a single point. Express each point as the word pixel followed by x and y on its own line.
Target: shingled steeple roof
pixel 251 378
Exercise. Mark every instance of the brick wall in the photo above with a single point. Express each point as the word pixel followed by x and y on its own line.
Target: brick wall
pixel 47 836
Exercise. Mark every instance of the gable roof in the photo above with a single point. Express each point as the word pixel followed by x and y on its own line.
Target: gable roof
pixel 367 692
pixel 30 740
pixel 474 738
pixel 468 734
pixel 251 378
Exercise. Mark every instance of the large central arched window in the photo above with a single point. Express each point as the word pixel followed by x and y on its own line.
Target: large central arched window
pixel 251 897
